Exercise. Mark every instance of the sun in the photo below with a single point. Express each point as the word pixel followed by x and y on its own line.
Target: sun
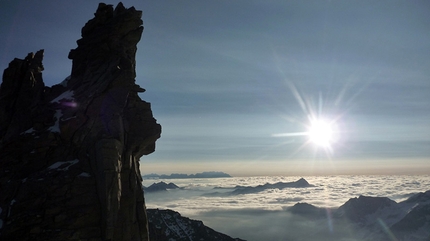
pixel 321 133
pixel 322 125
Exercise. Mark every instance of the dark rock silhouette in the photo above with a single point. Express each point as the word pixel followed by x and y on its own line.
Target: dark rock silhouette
pixel 279 185
pixel 375 218
pixel 160 186
pixel 356 209
pixel 170 225
pixel 69 154
pixel 239 190
pixel 308 210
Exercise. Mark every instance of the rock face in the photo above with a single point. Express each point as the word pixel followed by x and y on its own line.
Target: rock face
pixel 170 225
pixel 69 154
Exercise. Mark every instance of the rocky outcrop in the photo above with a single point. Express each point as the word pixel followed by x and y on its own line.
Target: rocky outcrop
pixel 170 225
pixel 69 154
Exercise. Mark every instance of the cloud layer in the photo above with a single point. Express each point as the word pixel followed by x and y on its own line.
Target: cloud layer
pixel 263 213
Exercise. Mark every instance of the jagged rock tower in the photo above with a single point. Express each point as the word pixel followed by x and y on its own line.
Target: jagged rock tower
pixel 69 154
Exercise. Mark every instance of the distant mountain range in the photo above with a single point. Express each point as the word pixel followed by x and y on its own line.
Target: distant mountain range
pixel 375 218
pixel 361 218
pixel 182 176
pixel 365 218
pixel 301 183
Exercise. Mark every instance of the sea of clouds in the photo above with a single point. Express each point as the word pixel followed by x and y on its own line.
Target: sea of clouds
pixel 262 215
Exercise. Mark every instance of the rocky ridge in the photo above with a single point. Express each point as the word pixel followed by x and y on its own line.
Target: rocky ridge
pixel 371 218
pixel 243 190
pixel 170 225
pixel 69 154
pixel 160 187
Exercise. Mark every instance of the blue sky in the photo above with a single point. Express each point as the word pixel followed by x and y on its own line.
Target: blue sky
pixel 228 79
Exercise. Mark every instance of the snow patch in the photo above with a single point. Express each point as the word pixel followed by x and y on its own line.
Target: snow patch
pixel 67 95
pixel 56 126
pixel 73 117
pixel 29 131
pixel 84 174
pixel 65 165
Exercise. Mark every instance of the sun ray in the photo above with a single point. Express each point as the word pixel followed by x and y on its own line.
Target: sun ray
pixel 290 134
pixel 323 115
pixel 321 131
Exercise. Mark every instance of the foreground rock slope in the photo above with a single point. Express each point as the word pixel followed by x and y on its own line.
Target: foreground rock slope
pixel 69 154
pixel 170 225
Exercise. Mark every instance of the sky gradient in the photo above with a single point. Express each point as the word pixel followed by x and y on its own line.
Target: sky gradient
pixel 232 81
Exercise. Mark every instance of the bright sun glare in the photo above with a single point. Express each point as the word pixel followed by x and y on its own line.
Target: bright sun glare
pixel 322 130
pixel 321 133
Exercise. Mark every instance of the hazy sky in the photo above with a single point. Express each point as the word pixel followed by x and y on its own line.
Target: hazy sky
pixel 228 79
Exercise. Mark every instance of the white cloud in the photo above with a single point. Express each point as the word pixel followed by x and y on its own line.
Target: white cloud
pixel 262 214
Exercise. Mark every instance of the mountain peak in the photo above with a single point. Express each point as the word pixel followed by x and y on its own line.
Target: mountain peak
pixel 160 186
pixel 357 208
pixel 70 153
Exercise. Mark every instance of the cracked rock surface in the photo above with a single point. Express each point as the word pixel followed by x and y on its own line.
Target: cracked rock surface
pixel 69 154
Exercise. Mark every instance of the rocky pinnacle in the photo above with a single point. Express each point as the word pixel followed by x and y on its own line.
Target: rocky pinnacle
pixel 69 154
